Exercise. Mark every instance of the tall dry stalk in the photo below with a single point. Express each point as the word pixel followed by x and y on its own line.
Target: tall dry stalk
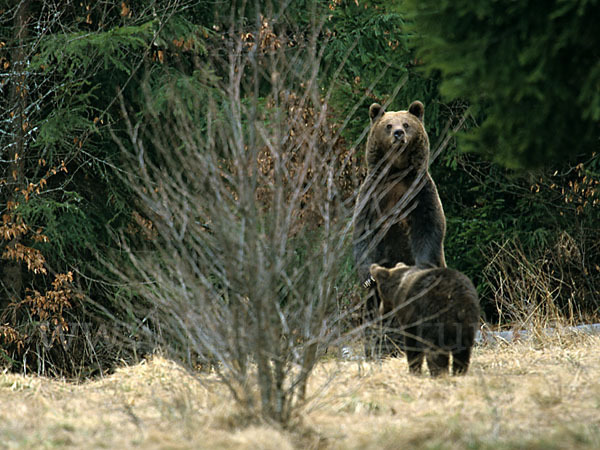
pixel 537 289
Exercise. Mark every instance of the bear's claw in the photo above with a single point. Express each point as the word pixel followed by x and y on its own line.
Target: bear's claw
pixel 369 282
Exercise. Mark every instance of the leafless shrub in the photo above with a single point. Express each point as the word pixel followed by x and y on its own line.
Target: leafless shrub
pixel 246 191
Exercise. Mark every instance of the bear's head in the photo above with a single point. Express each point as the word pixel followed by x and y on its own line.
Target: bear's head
pixel 388 282
pixel 399 137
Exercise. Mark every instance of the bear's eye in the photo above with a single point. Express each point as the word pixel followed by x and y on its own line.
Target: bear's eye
pixel 389 126
pixel 406 125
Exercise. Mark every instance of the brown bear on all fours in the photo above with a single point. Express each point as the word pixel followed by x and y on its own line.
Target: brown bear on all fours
pixel 436 311
pixel 398 215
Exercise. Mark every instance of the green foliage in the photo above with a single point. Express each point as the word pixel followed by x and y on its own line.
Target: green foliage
pixel 66 225
pixel 530 70
pixel 70 52
pixel 367 59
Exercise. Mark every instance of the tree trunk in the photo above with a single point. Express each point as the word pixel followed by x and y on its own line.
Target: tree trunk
pixel 12 270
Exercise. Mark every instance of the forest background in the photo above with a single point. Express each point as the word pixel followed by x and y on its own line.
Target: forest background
pixel 512 107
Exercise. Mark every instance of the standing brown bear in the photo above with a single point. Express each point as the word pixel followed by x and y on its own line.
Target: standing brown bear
pixel 437 312
pixel 398 215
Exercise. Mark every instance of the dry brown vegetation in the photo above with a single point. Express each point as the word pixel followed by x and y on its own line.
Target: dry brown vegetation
pixel 518 395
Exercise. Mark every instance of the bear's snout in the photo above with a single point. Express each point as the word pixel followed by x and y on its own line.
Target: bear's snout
pixel 399 133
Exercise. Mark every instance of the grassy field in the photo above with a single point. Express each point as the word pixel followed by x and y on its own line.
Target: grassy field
pixel 519 395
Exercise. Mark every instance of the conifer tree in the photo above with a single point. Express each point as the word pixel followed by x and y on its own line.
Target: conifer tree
pixel 63 66
pixel 530 70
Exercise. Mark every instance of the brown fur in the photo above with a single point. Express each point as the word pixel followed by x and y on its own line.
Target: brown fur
pixel 398 215
pixel 436 310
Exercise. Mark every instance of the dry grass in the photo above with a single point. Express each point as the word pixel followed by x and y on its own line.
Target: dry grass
pixel 520 395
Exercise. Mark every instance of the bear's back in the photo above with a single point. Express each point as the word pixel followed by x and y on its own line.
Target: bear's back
pixel 439 295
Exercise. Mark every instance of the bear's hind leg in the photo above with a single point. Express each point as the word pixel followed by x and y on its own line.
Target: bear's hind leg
pixel 437 363
pixel 414 355
pixel 460 361
pixel 415 361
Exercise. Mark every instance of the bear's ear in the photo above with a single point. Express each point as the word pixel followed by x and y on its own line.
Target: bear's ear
pixel 379 273
pixel 375 111
pixel 417 109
